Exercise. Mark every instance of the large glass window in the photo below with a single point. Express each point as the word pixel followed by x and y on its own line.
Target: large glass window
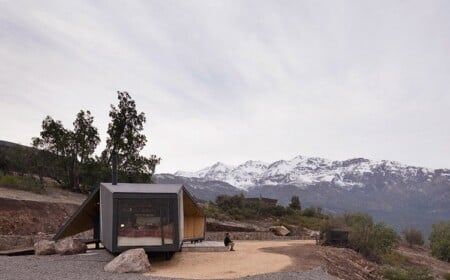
pixel 145 222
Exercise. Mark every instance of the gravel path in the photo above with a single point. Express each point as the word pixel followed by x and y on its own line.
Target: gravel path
pixel 90 266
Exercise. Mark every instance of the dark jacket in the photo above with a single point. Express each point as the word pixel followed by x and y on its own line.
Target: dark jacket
pixel 227 240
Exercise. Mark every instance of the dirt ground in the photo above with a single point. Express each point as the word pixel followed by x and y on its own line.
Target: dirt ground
pixel 260 257
pixel 422 256
pixel 248 259
pixel 53 195
pixel 27 213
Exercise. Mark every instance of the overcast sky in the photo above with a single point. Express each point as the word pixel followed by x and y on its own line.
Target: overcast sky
pixel 237 80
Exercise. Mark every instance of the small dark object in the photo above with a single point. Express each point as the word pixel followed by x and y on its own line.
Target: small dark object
pixel 336 237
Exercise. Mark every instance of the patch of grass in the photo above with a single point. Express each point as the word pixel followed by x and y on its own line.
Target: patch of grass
pixel 312 223
pixel 26 183
pixel 394 258
pixel 412 273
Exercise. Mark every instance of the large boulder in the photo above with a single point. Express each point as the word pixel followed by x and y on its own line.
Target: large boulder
pixel 279 230
pixel 44 247
pixel 69 246
pixel 134 260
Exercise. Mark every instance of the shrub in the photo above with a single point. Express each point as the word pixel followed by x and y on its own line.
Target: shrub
pixel 413 237
pixel 312 223
pixel 9 181
pixel 394 258
pixel 371 240
pixel 309 212
pixel 395 274
pixel 26 182
pixel 295 203
pixel 446 276
pixel 440 241
pixel 413 273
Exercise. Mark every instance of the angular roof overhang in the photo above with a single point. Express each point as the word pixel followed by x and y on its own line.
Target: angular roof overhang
pixel 84 218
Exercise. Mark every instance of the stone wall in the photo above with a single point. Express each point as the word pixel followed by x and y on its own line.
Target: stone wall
pixel 8 242
pixel 264 235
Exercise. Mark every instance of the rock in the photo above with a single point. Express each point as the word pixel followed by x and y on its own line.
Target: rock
pixel 44 247
pixel 314 234
pixel 134 260
pixel 69 246
pixel 279 230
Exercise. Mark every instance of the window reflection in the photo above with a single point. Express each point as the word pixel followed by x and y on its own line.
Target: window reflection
pixel 167 221
pixel 144 222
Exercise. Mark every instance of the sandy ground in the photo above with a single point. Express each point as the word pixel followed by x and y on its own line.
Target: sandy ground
pixel 248 259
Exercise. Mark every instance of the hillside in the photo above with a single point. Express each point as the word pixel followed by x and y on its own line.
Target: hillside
pixel 398 194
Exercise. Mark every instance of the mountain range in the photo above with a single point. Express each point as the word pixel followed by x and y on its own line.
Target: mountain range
pixel 398 194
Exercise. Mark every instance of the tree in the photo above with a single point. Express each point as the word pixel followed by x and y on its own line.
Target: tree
pixel 295 203
pixel 56 140
pixel 413 237
pixel 54 137
pixel 71 149
pixel 127 141
pixel 85 136
pixel 440 241
pixel 84 141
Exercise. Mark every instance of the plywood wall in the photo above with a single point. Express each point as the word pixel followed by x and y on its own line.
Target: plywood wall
pixel 194 219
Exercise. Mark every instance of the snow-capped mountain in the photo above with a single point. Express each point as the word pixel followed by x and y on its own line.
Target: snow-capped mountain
pixel 395 193
pixel 305 171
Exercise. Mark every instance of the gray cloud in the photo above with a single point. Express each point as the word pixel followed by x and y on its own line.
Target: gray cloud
pixel 232 81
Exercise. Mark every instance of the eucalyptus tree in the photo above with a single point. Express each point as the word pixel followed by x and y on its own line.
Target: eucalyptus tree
pixel 125 138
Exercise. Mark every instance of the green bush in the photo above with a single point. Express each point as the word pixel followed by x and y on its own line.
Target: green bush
pixel 413 273
pixel 371 240
pixel 309 212
pixel 446 276
pixel 440 241
pixel 413 237
pixel 9 181
pixel 25 182
pixel 313 223
pixel 295 203
pixel 395 274
pixel 394 258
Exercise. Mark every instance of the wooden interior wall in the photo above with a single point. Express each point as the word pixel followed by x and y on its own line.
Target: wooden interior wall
pixel 194 219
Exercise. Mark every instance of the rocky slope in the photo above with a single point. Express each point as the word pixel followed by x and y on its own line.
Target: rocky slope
pixel 398 194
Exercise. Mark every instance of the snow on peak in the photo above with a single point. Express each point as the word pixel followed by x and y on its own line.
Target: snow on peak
pixel 301 171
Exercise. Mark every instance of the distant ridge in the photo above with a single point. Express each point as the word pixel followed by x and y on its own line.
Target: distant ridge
pixel 398 194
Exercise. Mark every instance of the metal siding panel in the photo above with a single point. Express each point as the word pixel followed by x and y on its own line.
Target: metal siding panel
pixel 106 214
pixel 143 188
pixel 181 215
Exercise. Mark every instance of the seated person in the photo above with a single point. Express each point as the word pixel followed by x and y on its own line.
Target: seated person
pixel 228 243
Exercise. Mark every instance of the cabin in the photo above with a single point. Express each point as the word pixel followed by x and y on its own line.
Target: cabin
pixel 155 217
